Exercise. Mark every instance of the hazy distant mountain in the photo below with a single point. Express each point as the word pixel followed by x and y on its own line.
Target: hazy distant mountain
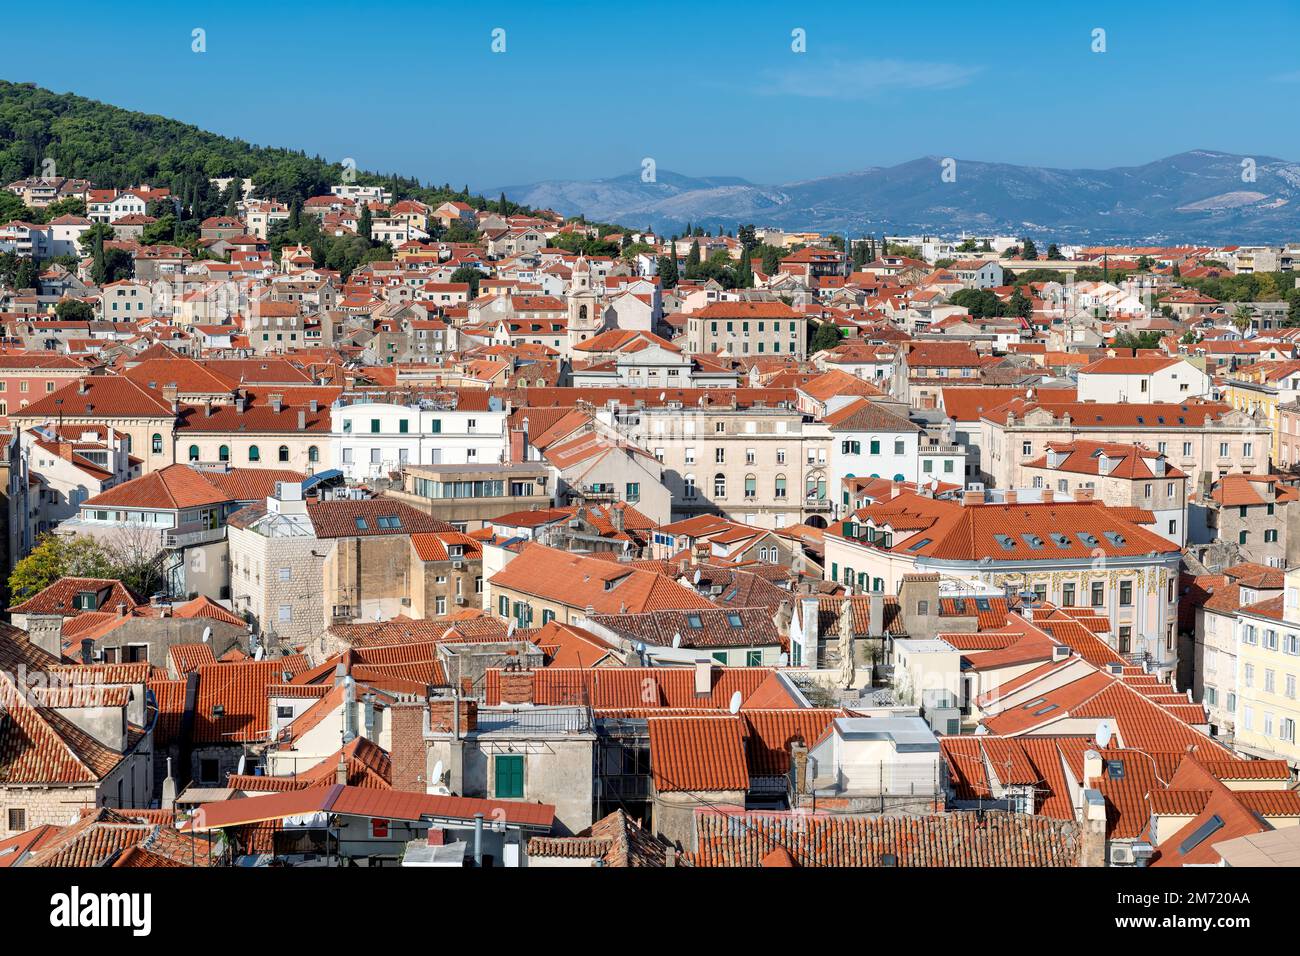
pixel 1194 196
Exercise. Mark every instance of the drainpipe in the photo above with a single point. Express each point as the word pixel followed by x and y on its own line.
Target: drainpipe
pixel 478 839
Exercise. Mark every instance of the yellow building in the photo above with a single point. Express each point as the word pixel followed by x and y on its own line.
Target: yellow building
pixel 1267 706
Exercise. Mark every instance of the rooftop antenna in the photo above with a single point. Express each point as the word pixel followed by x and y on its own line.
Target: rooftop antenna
pixel 1104 733
pixel 734 706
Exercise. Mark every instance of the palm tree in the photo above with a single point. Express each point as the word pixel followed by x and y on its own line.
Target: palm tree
pixel 1242 317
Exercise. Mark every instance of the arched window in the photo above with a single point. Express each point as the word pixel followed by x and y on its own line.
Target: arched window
pixel 223 454
pixel 719 485
pixel 751 486
pixel 194 453
pixel 780 486
pixel 313 454
pixel 284 452
pixel 156 445
pixel 582 313
pixel 254 454
pixel 126 444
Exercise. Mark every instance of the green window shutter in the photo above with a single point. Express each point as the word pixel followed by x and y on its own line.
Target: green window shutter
pixel 510 776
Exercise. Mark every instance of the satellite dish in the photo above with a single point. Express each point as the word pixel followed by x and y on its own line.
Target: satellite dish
pixel 783 660
pixel 734 706
pixel 207 634
pixel 696 578
pixel 638 647
pixel 662 396
pixel 437 772
pixel 243 760
pixel 257 654
pixel 1104 732
pixel 379 615
pixel 677 639
pixel 510 631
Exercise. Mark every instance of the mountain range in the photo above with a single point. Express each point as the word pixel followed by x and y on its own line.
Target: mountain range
pixel 1199 196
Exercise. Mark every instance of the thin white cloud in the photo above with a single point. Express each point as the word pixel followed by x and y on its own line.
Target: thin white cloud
pixel 1292 77
pixel 863 79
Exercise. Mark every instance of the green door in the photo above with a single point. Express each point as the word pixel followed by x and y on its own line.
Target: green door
pixel 510 776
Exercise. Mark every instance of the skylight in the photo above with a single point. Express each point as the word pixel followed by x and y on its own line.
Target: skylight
pixel 361 524
pixel 694 621
pixel 982 604
pixel 733 619
pixel 1006 541
pixel 918 545
pixel 1200 834
pixel 1033 540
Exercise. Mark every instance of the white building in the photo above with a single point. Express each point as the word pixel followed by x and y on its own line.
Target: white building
pixel 1142 380
pixel 370 438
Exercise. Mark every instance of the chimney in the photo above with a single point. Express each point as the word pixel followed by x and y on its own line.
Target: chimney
pixel 1092 767
pixel 277 403
pixel 408 753
pixel 799 767
pixel 1010 496
pixel 616 516
pixel 516 687
pixel 876 614
pixel 87 650
pixel 207 409
pixel 703 677
pixel 302 420
pixel 1093 849
pixel 83 386
pixel 452 715
pixel 341 772
pixel 168 788
pixel 809 612
pixel 314 406
pixel 518 444
pixel 1049 496
pixel 1083 494
pixel 169 394
pixel 46 632
pixel 973 498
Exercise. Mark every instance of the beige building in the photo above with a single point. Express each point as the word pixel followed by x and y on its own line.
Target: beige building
pixel 759 464
pixel 744 329
pixel 1204 440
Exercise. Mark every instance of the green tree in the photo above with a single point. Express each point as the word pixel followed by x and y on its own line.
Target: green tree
pixel 827 336
pixel 1053 251
pixel 469 274
pixel 365 223
pixel 667 268
pixel 74 310
pixel 57 556
pixel 1028 250
pixel 693 260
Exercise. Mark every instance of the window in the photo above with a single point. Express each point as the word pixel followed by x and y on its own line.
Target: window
pixel 378 829
pixel 156 444
pixel 875 446
pixel 633 493
pixel 286 574
pixel 898 446
pixel 194 453
pixel 403 426
pixel 753 658
pixel 1067 594
pixel 719 485
pixel 374 426
pixel 209 771
pixel 509 776
pixel 17 819
pixel 223 453
pixel 1098 594
pixel 285 613
pixel 254 454
pixel 1126 594
pixel 751 486
pixel 313 454
pixel 284 453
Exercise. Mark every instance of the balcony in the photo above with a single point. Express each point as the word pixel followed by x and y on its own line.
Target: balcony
pixel 188 539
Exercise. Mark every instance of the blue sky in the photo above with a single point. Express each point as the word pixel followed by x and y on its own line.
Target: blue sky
pixel 586 90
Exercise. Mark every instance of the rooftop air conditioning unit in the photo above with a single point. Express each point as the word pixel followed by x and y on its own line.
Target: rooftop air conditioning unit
pixel 457 564
pixel 1121 855
pixel 460 600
